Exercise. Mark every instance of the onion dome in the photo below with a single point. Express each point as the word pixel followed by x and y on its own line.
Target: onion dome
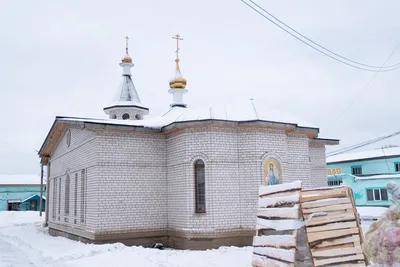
pixel 178 82
pixel 127 59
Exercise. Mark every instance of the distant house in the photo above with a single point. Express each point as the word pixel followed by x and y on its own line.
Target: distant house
pixel 367 173
pixel 21 192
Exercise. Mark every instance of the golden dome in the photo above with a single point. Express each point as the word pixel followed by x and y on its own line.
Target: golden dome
pixel 178 81
pixel 127 59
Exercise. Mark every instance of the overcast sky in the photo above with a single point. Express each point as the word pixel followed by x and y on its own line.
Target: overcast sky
pixel 62 59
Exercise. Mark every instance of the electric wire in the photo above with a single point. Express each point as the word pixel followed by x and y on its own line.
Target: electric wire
pixel 330 51
pixel 317 49
pixel 369 142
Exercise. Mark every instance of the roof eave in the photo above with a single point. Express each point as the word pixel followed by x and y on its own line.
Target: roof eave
pixel 363 159
pixel 289 127
pixel 125 106
pixel 326 141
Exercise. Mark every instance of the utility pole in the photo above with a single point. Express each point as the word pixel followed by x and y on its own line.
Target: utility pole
pixel 41 189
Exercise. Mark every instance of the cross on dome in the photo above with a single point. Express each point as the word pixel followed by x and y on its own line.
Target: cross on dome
pixel 177 37
pixel 126 45
pixel 127 58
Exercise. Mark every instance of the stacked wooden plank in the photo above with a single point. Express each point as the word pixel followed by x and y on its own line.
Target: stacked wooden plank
pixel 278 218
pixel 332 225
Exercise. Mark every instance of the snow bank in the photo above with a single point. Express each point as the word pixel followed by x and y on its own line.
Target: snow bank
pixel 15 218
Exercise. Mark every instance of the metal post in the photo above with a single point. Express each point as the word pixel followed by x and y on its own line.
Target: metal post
pixel 41 189
pixel 48 186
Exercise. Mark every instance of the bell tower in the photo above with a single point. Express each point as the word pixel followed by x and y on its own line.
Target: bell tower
pixel 126 104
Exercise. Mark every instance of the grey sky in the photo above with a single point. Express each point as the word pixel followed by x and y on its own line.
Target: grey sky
pixel 62 59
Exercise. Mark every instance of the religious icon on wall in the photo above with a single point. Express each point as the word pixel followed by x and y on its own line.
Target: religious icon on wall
pixel 272 172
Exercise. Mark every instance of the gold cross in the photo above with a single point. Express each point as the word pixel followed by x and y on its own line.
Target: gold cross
pixel 177 37
pixel 126 45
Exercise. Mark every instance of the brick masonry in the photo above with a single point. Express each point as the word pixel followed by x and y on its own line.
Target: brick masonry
pixel 140 183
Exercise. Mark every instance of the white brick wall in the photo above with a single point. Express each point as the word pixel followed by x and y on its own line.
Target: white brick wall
pixel 145 181
pixel 131 182
pixel 319 177
pixel 234 160
pixel 81 154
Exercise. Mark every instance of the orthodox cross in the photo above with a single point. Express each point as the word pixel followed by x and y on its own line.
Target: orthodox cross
pixel 177 37
pixel 126 45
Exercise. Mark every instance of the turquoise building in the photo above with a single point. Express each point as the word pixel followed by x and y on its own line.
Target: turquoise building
pixel 367 173
pixel 21 193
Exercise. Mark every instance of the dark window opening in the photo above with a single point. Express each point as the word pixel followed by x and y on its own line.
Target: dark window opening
pixel 356 170
pixel 384 194
pixel 67 191
pixel 370 195
pixel 125 116
pixel 335 182
pixel 76 195
pixel 200 186
pixel 397 166
pixel 377 194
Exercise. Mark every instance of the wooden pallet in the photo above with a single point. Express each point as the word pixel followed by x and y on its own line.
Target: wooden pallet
pixel 278 218
pixel 333 228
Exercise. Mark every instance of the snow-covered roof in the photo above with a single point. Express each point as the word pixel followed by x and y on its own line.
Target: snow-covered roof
pixel 33 196
pixel 369 177
pixel 379 176
pixel 240 112
pixel 20 179
pixel 369 154
pixel 126 94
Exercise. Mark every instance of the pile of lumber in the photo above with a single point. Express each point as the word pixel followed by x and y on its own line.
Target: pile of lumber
pixel 333 229
pixel 278 219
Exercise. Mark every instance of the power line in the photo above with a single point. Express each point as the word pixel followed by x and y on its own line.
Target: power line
pixel 319 50
pixel 330 51
pixel 366 85
pixel 369 142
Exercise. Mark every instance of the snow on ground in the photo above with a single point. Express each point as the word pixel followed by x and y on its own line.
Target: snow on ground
pixel 370 213
pixel 25 243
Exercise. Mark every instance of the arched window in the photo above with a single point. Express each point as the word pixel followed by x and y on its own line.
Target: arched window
pixel 200 186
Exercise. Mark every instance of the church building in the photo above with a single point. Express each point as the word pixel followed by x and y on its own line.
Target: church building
pixel 187 178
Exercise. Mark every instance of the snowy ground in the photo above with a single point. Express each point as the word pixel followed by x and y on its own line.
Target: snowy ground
pixel 25 243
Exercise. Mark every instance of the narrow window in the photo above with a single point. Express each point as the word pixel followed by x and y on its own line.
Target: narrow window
pixel 83 195
pixel 200 185
pixel 377 194
pixel 384 194
pixel 397 166
pixel 67 191
pixel 76 195
pixel 59 198
pixel 356 170
pixel 54 204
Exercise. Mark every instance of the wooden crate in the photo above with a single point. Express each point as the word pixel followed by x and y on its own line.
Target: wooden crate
pixel 333 228
pixel 278 217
